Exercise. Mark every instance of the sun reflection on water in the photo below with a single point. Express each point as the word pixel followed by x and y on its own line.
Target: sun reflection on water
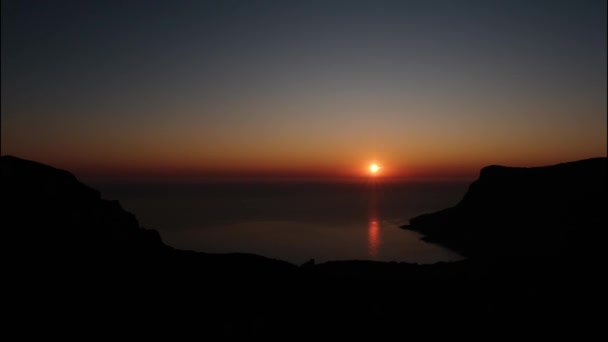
pixel 373 238
pixel 373 229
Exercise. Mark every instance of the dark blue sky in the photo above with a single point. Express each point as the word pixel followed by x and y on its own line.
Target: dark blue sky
pixel 295 86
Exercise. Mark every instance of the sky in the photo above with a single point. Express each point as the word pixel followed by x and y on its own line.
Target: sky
pixel 187 89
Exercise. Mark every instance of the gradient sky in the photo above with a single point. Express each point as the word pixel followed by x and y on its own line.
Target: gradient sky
pixel 302 88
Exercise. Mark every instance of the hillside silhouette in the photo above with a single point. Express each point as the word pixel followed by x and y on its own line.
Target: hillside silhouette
pixel 524 212
pixel 524 232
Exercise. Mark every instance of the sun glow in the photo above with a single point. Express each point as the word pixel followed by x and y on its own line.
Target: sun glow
pixel 374 168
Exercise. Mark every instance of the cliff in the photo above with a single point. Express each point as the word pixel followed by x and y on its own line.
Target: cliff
pixel 75 257
pixel 59 224
pixel 524 212
pixel 52 211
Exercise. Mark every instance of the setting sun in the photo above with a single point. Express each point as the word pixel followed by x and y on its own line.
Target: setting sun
pixel 374 168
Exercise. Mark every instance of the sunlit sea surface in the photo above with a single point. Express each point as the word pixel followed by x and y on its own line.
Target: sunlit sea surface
pixel 292 221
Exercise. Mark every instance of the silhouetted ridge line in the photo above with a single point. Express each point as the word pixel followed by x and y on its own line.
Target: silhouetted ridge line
pixel 90 258
pixel 59 220
pixel 535 211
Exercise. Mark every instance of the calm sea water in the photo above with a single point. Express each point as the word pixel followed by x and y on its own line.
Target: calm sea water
pixel 292 221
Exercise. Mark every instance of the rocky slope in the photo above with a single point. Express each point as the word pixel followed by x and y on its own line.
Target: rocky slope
pixel 55 219
pixel 77 260
pixel 524 212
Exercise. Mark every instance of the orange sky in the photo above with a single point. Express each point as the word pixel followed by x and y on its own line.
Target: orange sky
pixel 313 90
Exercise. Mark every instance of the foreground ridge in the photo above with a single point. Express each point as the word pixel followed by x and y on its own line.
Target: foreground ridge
pixel 72 249
pixel 510 212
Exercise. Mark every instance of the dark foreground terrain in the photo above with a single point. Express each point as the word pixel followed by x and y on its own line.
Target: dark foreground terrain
pixel 77 261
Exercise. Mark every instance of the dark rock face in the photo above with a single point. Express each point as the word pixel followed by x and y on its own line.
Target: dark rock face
pixel 514 212
pixel 58 220
pixel 72 250
pixel 54 214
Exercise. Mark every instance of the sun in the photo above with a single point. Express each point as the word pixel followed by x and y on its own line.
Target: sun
pixel 374 168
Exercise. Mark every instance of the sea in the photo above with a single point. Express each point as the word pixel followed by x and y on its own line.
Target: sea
pixel 294 221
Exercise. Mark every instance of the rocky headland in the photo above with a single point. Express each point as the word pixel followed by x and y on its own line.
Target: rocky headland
pixel 525 231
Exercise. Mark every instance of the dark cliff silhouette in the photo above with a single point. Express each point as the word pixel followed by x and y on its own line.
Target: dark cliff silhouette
pixel 547 211
pixel 73 250
pixel 61 221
